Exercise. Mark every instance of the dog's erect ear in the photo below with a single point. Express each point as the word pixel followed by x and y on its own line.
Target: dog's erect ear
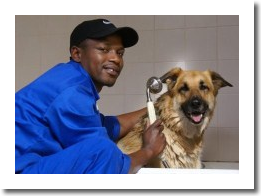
pixel 218 81
pixel 171 76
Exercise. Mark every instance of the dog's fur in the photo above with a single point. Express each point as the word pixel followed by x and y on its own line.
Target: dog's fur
pixel 186 110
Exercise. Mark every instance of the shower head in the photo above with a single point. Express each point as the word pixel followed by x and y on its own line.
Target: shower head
pixel 154 85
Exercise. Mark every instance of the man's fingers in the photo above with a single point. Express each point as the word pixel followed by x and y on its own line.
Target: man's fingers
pixel 156 123
pixel 147 123
pixel 161 128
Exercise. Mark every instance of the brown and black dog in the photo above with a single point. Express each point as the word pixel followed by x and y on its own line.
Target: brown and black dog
pixel 185 110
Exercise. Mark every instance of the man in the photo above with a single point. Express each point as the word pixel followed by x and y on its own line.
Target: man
pixel 58 126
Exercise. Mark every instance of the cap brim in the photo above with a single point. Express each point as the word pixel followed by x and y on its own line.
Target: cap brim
pixel 129 36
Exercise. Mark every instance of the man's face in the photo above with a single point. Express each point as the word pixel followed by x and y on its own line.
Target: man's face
pixel 103 60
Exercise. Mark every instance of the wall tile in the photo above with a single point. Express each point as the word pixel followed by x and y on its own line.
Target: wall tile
pixel 169 45
pixel 27 25
pixel 143 50
pixel 134 84
pixel 222 165
pixel 77 19
pixel 134 102
pixel 55 25
pixel 169 22
pixel 201 65
pixel 201 44
pixel 210 145
pixel 27 60
pixel 163 67
pixel 228 144
pixel 51 43
pixel 224 20
pixel 111 104
pixel 201 21
pixel 228 42
pixel 144 22
pixel 228 110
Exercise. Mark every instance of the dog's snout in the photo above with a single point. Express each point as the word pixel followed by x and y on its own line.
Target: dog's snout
pixel 196 103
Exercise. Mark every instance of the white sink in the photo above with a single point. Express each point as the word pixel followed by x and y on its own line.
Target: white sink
pixel 210 168
pixel 186 171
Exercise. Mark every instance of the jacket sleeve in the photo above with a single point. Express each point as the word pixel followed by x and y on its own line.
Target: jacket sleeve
pixel 73 116
pixel 112 126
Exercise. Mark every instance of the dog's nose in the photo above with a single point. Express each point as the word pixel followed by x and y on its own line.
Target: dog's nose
pixel 196 103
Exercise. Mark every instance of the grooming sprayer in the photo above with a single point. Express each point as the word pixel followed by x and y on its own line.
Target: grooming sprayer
pixel 154 85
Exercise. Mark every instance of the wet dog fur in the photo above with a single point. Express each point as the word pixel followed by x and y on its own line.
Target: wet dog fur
pixel 185 110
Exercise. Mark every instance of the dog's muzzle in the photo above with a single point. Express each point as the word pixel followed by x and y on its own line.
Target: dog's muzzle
pixel 195 109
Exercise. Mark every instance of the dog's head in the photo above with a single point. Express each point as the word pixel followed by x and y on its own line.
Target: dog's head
pixel 194 93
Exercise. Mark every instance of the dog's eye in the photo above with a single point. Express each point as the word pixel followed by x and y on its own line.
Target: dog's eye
pixel 183 89
pixel 203 88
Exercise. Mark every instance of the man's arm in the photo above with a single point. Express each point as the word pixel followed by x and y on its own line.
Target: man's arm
pixel 127 121
pixel 154 143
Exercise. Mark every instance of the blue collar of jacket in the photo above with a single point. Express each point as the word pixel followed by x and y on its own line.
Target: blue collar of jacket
pixel 87 75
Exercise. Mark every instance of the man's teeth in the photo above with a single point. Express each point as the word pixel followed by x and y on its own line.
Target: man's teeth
pixel 110 69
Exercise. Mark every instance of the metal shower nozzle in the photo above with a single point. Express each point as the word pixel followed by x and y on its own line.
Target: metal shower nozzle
pixel 154 85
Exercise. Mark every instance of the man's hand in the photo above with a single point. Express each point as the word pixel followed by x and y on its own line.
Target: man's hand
pixel 153 138
pixel 154 143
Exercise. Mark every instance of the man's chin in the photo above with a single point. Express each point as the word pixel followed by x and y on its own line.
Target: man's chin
pixel 109 83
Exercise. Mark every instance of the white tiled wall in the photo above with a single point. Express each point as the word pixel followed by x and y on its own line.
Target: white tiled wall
pixel 190 42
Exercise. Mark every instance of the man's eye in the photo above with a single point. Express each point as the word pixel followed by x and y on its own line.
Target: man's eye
pixel 121 53
pixel 104 50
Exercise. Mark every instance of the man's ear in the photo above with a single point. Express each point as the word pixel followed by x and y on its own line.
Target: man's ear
pixel 76 54
pixel 218 81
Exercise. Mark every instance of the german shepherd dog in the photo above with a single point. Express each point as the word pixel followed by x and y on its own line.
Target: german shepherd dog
pixel 185 110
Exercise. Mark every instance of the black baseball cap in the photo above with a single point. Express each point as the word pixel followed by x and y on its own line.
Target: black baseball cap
pixel 100 28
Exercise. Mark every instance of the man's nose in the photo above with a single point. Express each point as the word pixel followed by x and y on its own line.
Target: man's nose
pixel 115 57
